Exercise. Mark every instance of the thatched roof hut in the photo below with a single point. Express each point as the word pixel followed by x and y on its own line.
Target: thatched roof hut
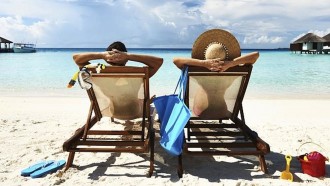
pixel 309 43
pixel 327 38
pixel 310 38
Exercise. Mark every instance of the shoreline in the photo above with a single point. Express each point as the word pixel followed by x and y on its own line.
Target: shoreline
pixel 34 128
pixel 80 93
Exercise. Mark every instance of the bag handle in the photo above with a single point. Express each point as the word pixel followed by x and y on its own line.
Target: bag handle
pixel 311 142
pixel 182 82
pixel 179 81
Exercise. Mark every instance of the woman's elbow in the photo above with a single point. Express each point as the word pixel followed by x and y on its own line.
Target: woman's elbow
pixel 257 54
pixel 178 62
pixel 255 57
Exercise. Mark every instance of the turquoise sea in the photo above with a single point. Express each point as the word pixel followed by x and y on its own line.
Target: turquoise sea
pixel 276 74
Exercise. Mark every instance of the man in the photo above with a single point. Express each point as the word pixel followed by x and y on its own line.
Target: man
pixel 116 55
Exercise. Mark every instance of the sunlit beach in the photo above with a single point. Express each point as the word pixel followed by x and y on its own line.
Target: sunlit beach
pixel 286 103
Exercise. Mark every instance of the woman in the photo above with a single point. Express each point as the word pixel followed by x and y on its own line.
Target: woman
pixel 216 50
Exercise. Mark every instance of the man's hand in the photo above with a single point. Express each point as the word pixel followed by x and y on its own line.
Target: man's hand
pixel 116 57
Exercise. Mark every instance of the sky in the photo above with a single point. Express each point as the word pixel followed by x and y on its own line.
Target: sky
pixel 257 24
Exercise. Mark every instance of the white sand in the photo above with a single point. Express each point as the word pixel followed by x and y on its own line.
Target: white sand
pixel 34 129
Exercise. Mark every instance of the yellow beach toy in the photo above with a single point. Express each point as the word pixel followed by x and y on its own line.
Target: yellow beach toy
pixel 286 175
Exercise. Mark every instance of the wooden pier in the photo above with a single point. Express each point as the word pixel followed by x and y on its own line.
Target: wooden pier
pixel 5 45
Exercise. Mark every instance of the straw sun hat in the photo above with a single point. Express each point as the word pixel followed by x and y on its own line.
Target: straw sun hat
pixel 216 43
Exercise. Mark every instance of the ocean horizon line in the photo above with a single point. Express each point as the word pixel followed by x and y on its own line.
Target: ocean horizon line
pixel 174 48
pixel 145 48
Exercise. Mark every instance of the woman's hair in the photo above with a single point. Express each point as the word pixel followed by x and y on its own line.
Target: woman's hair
pixel 117 45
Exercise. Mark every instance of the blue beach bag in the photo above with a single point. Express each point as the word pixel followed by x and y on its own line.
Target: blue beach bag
pixel 173 115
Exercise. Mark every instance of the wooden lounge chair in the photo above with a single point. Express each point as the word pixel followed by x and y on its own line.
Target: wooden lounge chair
pixel 120 93
pixel 217 125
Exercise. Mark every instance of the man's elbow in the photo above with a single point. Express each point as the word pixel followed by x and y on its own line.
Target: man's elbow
pixel 77 59
pixel 160 62
pixel 154 68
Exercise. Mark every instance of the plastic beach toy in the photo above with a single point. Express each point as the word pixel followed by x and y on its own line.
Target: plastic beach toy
pixel 35 167
pixel 286 175
pixel 313 164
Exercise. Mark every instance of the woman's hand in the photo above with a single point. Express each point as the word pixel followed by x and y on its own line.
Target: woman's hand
pixel 214 64
pixel 217 65
pixel 226 65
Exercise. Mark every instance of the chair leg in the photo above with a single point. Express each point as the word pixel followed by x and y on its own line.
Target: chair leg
pixel 180 169
pixel 152 152
pixel 70 161
pixel 263 165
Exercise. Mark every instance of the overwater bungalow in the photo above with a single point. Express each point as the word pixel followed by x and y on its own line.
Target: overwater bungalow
pixel 309 43
pixel 5 45
pixel 326 45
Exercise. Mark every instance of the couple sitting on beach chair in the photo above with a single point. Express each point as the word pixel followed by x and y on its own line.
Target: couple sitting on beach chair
pixel 217 79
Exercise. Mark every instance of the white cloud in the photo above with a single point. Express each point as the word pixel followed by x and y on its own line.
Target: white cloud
pixel 251 39
pixel 154 23
pixel 14 27
pixel 320 33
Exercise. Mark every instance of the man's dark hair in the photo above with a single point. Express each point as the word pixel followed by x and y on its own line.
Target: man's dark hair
pixel 117 45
